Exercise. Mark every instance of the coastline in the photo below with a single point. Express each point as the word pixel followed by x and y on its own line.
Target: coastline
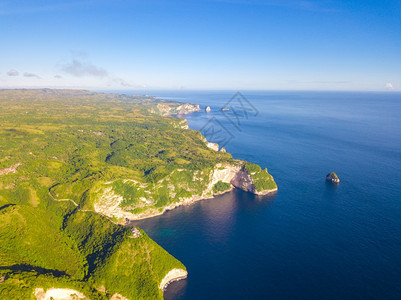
pixel 190 202
pixel 191 108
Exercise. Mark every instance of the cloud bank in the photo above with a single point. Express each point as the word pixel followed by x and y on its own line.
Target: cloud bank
pixel 13 73
pixel 32 75
pixel 78 67
pixel 81 69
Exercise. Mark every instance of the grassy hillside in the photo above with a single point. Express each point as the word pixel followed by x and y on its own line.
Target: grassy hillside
pixel 63 151
pixel 55 145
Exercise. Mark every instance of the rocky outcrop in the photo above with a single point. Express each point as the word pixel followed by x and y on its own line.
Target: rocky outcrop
pixel 58 294
pixel 332 177
pixel 12 169
pixel 207 109
pixel 173 275
pixel 117 296
pixel 184 124
pixel 213 146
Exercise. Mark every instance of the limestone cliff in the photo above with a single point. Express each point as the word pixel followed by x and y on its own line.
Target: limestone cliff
pixel 168 109
pixel 238 174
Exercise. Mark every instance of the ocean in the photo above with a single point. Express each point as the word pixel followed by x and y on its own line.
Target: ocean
pixel 312 239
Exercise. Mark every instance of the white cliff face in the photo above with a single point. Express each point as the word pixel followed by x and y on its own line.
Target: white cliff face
pixel 187 108
pixel 224 173
pixel 234 175
pixel 173 275
pixel 166 109
pixel 213 146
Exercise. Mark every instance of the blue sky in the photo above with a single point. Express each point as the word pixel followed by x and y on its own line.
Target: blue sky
pixel 204 44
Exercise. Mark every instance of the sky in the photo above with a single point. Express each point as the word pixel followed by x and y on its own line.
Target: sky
pixel 202 44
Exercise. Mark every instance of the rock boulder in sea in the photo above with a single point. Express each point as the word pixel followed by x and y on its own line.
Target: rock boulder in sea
pixel 332 177
pixel 207 109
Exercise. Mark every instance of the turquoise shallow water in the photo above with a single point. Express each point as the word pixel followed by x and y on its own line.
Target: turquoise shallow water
pixel 311 240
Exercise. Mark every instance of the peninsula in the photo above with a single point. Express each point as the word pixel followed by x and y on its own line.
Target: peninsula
pixel 75 165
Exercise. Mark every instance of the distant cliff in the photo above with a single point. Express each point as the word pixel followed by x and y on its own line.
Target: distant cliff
pixel 174 108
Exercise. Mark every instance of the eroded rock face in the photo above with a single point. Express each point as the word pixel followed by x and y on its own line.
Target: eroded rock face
pixel 243 180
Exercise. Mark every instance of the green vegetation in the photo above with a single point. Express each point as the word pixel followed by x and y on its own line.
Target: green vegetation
pixel 262 180
pixel 221 186
pixel 65 156
pixel 332 175
pixel 67 143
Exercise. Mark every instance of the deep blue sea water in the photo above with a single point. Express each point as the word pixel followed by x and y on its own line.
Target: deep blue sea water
pixel 312 240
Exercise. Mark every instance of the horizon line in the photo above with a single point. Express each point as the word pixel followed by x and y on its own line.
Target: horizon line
pixel 113 90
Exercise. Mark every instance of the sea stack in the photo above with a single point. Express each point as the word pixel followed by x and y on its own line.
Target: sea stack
pixel 207 109
pixel 332 177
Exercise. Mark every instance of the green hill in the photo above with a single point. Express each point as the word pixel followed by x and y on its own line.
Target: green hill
pixel 65 156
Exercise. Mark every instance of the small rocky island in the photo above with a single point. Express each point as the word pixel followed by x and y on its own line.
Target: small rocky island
pixel 208 109
pixel 332 177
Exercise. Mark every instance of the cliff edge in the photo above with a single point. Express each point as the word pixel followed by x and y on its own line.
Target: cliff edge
pixel 172 275
pixel 179 188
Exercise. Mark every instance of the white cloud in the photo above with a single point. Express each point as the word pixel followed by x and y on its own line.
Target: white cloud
pixel 79 66
pixel 80 69
pixel 13 73
pixel 26 74
pixel 389 86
